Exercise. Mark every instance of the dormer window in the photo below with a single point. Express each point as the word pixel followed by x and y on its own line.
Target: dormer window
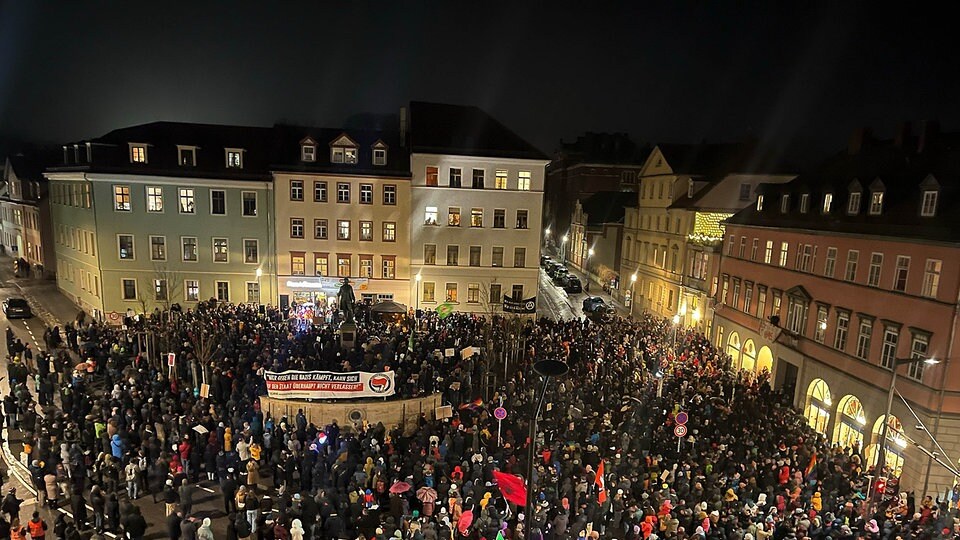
pixel 804 203
pixel 187 156
pixel 234 158
pixel 343 150
pixel 929 206
pixel 379 153
pixel 853 204
pixel 759 203
pixel 308 150
pixel 138 153
pixel 827 202
pixel 784 203
pixel 876 197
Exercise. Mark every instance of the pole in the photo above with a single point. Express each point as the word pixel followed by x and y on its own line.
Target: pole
pixel 882 445
pixel 531 452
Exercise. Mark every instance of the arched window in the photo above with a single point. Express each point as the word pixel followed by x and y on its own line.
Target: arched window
pixel 733 348
pixel 765 360
pixel 850 422
pixel 896 444
pixel 818 405
pixel 749 356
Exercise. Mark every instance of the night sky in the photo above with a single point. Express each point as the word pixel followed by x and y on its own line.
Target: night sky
pixel 798 76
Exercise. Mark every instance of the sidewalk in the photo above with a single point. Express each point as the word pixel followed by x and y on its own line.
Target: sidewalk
pixel 46 301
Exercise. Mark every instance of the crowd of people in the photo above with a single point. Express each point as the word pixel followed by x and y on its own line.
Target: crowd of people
pixel 117 426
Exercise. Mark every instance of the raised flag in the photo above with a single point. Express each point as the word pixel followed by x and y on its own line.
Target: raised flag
pixel 500 535
pixel 444 310
pixel 511 487
pixel 811 465
pixel 601 484
pixel 472 405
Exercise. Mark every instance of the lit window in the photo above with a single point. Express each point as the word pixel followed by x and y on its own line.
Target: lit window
pixel 389 231
pixel 297 263
pixel 187 156
pixel 476 217
pixel 121 198
pixel 929 207
pixel 234 158
pixel 221 251
pixel 521 219
pixel 138 153
pixel 191 290
pixel 389 268
pixel 343 229
pixel 500 179
pixel 126 247
pixel 827 202
pixel 430 216
pixel 429 291
pixel 876 203
pixel 931 278
pixel 784 248
pixel 366 266
pixel 451 292
pixel 160 289
pixel 759 203
pixel 187 201
pixel 320 264
pixel 154 199
pixel 453 216
pixel 343 265
pixel 366 231
pixel 432 176
pixel 251 251
pixel 523 181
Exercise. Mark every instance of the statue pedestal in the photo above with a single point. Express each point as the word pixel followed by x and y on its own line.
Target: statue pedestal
pixel 348 334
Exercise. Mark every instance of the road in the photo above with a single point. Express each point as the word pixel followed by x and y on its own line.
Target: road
pixel 556 303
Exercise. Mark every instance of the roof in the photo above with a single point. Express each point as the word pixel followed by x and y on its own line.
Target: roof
pixel 605 148
pixel 287 155
pixel 437 128
pixel 724 194
pixel 718 159
pixel 608 206
pixel 901 171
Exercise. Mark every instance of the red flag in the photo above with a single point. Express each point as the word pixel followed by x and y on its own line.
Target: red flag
pixel 601 484
pixel 810 467
pixel 511 487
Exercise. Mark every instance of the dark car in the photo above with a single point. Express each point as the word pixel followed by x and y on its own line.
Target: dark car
pixel 560 279
pixel 573 285
pixel 556 269
pixel 545 261
pixel 602 314
pixel 592 303
pixel 16 308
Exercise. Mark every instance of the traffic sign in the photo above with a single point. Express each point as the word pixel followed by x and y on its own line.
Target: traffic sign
pixel 499 413
pixel 680 430
pixel 681 418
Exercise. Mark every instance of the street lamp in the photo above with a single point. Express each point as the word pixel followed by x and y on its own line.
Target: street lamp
pixel 586 267
pixel 696 318
pixel 259 292
pixel 563 248
pixel 633 291
pixel 546 368
pixel 882 446
pixel 417 278
pixel 676 323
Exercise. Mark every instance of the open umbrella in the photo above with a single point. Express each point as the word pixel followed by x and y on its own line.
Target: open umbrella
pixel 388 306
pixel 427 494
pixel 400 487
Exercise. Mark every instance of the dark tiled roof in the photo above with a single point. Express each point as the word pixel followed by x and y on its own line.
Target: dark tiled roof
pixel 717 160
pixel 287 151
pixel 606 148
pixel 900 168
pixel 608 206
pixel 437 128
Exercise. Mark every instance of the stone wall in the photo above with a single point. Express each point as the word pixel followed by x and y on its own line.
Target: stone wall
pixel 320 413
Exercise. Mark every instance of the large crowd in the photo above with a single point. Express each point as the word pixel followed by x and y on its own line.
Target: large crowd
pixel 117 426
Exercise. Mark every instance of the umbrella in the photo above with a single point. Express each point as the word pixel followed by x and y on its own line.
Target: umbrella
pixel 427 494
pixel 388 306
pixel 400 487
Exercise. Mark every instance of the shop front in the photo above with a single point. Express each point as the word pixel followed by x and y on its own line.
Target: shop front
pixel 318 293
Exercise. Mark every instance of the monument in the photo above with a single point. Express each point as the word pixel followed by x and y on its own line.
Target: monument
pixel 346 301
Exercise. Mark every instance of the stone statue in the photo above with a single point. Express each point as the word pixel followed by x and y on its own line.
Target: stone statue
pixel 346 300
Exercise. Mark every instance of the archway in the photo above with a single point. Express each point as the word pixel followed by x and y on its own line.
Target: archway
pixel 894 449
pixel 850 422
pixel 765 360
pixel 749 356
pixel 818 406
pixel 733 349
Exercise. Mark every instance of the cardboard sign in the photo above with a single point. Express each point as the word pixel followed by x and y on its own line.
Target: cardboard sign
pixel 171 359
pixel 449 352
pixel 204 390
pixel 467 352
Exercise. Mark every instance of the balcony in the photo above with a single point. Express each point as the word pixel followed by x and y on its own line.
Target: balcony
pixel 694 283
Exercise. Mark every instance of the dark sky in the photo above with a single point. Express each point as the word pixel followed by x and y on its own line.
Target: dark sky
pixel 798 75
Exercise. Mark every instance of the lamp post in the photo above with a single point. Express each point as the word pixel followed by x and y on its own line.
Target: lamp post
pixel 633 291
pixel 882 445
pixel 696 318
pixel 417 278
pixel 586 268
pixel 259 292
pixel 546 368
pixel 676 323
pixel 563 248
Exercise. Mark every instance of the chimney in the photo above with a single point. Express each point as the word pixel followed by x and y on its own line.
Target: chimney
pixel 403 126
pixel 928 133
pixel 902 135
pixel 857 140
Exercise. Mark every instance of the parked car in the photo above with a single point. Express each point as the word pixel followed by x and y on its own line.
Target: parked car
pixel 556 269
pixel 561 278
pixel 592 303
pixel 545 261
pixel 16 308
pixel 573 285
pixel 603 314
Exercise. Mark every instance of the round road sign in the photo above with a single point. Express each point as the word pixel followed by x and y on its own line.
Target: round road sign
pixel 499 413
pixel 681 418
pixel 680 430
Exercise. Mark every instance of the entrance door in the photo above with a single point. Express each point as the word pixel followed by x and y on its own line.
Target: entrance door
pixel 789 381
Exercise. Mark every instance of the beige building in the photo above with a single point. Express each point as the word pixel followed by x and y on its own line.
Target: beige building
pixel 342 211
pixel 25 229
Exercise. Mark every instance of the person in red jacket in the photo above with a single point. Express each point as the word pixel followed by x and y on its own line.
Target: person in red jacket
pixel 184 450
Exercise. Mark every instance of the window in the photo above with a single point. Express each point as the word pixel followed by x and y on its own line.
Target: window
pixel 500 179
pixel 366 193
pixel 223 291
pixel 736 293
pixel 320 264
pixel 820 331
pixel 343 192
pixel 253 292
pixel 519 257
pixel 723 295
pixel 343 265
pixel 768 252
pixel 388 267
pixel 806 258
pixel 453 216
pixel 931 278
pixel 251 251
pixel 918 349
pixel 900 274
pixel 430 216
pixel 366 266
pixel 876 203
pixel 761 301
pixel 430 254
pixel 804 203
pixel 478 179
pixel 366 231
pixel 390 194
pixel 308 152
pixel 154 199
pixel 126 247
pixel 160 289
pixel 754 248
pixel 218 202
pixel 784 203
pixel 187 201
pixel 319 192
pixel 747 297
pixel 389 231
pixel 432 175
pixel 759 203
pixel 158 248
pixel 453 255
pixel 523 180
pixel 784 247
pixel 929 206
pixel 476 217
pixel 475 255
pixel 473 293
pixel 296 190
pixel 743 246
pixel 191 290
pixel 249 199
pixel 296 227
pixel 221 252
pixel 188 248
pixel 777 303
pixel 456 177
pixel 451 292
pixel 888 354
pixel 796 315
pixel 343 229
pixel 497 257
pixel 129 289
pixel 850 274
pixel 831 262
pixel 496 296
pixel 744 192
pixel 320 229
pixel 121 199
pixel 840 338
pixel 730 241
pixel 827 202
pixel 853 203
pixel 863 339
pixel 499 218
pixel 876 261
pixel 379 156
pixel 517 292
pixel 429 291
pixel 138 153
pixel 234 159
pixel 343 154
pixel 521 219
pixel 187 156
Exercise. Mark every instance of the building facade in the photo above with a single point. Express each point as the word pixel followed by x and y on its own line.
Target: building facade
pixel 596 227
pixel 477 198
pixel 856 272
pixel 25 213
